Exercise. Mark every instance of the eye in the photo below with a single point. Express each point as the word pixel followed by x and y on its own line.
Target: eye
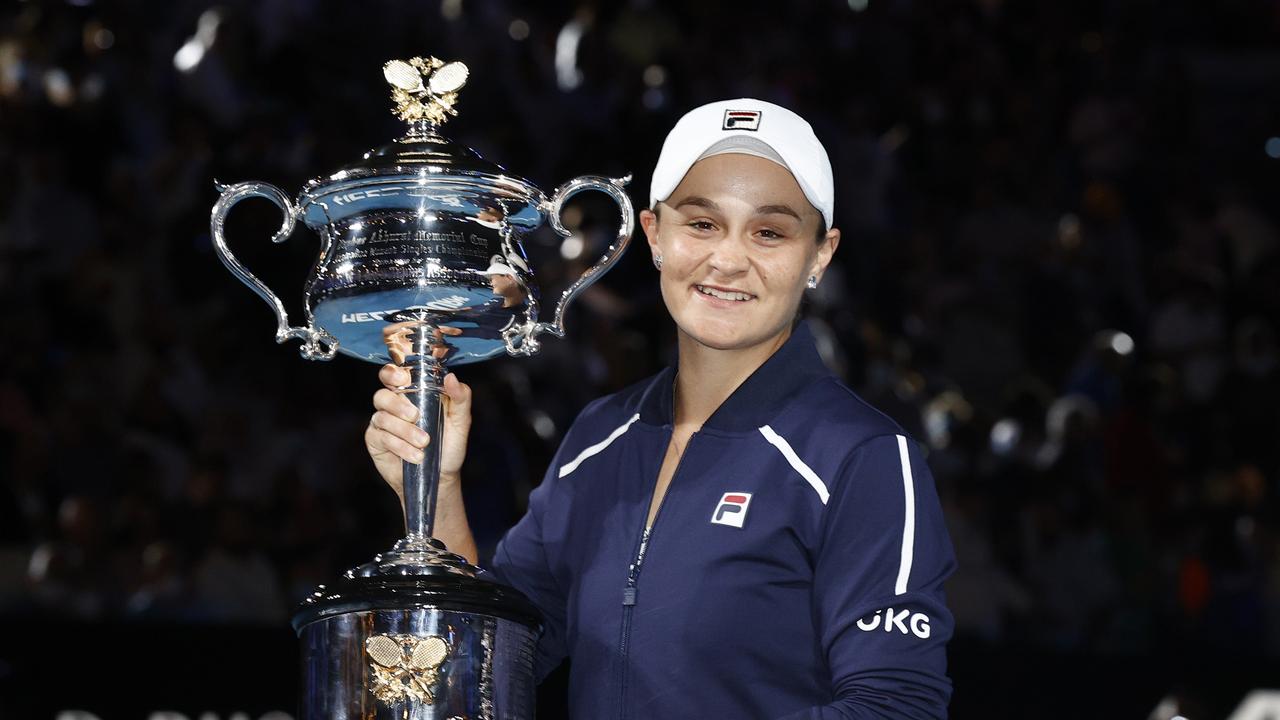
pixel 771 234
pixel 702 225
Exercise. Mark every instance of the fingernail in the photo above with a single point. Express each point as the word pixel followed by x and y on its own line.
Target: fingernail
pixel 421 439
pixel 418 456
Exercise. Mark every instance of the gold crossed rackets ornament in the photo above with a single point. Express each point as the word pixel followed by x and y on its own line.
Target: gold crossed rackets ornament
pixel 405 667
pixel 425 89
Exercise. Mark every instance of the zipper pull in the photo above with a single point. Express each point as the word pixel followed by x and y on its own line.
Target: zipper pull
pixel 633 571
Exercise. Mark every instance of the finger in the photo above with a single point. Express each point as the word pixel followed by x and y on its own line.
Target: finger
pixel 458 391
pixel 394 376
pixel 395 404
pixel 379 439
pixel 406 431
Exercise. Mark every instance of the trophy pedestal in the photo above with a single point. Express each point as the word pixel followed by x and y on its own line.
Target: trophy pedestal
pixel 438 647
pixel 414 634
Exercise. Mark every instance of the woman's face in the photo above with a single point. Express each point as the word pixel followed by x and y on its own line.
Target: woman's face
pixel 738 241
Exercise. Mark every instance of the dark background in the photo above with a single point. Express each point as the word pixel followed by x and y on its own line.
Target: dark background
pixel 1060 270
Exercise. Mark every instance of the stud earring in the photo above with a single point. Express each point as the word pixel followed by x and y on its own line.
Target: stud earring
pixel 657 261
pixel 813 282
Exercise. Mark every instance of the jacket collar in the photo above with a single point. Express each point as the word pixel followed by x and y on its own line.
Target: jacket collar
pixel 758 399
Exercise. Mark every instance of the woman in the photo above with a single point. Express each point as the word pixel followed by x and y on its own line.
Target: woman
pixel 738 536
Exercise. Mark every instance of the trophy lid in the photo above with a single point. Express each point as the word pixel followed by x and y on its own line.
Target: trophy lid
pixel 424 91
pixel 459 593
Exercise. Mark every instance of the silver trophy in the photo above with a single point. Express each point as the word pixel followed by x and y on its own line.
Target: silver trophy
pixel 420 264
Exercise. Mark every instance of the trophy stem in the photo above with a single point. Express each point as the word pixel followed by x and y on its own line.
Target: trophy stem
pixel 415 341
pixel 419 129
pixel 422 480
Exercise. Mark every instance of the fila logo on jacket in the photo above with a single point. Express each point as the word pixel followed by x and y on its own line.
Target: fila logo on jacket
pixel 732 509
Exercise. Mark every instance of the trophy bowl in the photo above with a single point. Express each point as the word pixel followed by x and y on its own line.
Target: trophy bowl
pixel 421 263
pixel 421 225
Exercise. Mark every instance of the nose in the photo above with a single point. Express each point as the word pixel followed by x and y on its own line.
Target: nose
pixel 729 254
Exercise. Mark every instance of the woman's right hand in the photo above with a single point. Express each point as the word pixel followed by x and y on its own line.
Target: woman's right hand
pixel 393 435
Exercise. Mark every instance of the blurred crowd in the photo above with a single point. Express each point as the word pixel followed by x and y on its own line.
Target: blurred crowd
pixel 1060 272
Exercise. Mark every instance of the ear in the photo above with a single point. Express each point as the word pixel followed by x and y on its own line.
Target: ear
pixel 649 222
pixel 826 249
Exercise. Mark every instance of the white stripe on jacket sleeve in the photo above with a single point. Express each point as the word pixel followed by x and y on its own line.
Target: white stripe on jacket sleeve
pixel 598 447
pixel 805 471
pixel 909 524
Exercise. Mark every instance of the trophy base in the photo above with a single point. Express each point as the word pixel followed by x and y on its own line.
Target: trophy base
pixel 417 648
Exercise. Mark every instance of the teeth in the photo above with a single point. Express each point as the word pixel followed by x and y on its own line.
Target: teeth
pixel 723 295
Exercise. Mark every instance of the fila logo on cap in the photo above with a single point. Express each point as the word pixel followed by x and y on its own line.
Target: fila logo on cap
pixel 741 120
pixel 732 509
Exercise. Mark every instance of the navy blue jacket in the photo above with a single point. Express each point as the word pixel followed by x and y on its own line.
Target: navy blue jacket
pixel 794 569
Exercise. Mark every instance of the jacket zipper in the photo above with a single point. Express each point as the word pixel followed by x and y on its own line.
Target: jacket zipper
pixel 633 575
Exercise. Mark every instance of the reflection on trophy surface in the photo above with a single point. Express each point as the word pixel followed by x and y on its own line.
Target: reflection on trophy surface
pixel 421 264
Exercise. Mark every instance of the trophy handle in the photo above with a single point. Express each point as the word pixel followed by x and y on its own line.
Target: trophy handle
pixel 522 338
pixel 316 343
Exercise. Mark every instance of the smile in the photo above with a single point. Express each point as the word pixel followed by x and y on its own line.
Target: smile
pixel 732 295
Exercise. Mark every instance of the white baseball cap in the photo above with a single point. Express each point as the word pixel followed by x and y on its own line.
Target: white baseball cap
pixel 752 127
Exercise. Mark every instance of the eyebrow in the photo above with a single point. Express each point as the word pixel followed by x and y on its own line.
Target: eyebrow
pixel 699 201
pixel 778 210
